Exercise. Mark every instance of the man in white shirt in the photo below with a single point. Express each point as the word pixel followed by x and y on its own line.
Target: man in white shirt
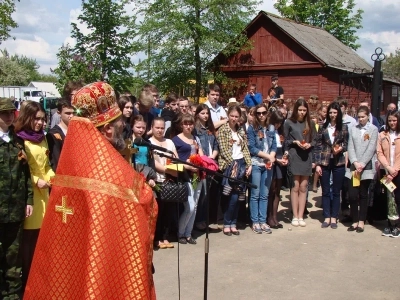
pixel 347 120
pixel 218 114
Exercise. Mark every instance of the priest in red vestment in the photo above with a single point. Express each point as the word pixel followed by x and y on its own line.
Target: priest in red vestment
pixel 96 241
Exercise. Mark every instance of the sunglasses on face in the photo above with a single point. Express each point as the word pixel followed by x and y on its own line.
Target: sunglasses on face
pixel 259 113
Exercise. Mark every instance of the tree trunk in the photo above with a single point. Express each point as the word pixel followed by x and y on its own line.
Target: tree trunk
pixel 197 58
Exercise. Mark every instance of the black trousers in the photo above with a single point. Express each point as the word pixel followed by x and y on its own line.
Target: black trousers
pixel 10 260
pixel 30 237
pixel 358 197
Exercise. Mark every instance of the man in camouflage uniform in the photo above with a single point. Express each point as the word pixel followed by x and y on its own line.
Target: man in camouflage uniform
pixel 15 202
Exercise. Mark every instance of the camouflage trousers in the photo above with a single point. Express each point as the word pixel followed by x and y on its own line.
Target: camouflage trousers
pixel 10 260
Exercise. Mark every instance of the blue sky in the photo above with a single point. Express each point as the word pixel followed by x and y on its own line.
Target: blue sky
pixel 44 25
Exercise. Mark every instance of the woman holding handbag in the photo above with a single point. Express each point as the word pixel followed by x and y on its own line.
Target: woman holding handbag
pixel 262 147
pixel 331 143
pixel 235 161
pixel 165 209
pixel 388 154
pixel 187 144
pixel 361 149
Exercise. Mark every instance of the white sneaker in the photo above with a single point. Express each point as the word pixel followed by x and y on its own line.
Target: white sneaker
pixel 295 222
pixel 302 223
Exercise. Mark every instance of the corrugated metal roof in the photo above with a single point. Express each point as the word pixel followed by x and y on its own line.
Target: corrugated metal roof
pixel 323 45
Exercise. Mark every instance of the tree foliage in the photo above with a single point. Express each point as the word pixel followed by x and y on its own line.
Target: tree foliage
pixel 181 37
pixel 335 16
pixel 7 7
pixel 72 66
pixel 20 70
pixel 11 73
pixel 103 53
pixel 391 66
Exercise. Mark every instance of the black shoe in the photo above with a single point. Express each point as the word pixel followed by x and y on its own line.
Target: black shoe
pixel 325 225
pixel 351 228
pixel 279 225
pixel 190 240
pixel 359 229
pixel 182 240
pixel 284 188
pixel 235 232
pixel 228 233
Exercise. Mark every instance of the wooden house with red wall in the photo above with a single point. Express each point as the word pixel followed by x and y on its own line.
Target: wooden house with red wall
pixel 308 61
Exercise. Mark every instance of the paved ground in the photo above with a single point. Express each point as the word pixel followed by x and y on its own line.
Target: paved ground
pixel 304 263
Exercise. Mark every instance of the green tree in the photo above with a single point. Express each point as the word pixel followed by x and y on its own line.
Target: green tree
pixel 72 66
pixel 335 16
pixel 105 52
pixel 7 7
pixel 11 73
pixel 29 64
pixel 391 66
pixel 182 37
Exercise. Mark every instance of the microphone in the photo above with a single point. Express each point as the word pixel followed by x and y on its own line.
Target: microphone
pixel 141 142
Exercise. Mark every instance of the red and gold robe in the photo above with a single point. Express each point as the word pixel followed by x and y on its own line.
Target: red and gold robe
pixel 96 241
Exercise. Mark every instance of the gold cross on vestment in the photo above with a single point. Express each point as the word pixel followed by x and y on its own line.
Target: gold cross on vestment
pixel 64 209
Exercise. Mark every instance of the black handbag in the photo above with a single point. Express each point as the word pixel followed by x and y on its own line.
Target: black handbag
pixel 171 191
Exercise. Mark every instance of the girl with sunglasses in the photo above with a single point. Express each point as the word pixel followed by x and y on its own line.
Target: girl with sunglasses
pixel 262 147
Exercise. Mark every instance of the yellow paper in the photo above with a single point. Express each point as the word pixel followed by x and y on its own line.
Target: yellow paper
pixel 175 167
pixel 356 178
pixel 390 185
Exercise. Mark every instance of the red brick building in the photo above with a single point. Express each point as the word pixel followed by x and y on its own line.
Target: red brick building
pixel 307 59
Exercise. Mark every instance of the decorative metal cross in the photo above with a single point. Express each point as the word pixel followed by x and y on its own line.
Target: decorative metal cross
pixel 128 151
pixel 64 209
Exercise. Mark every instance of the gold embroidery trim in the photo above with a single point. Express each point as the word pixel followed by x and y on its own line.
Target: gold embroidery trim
pixel 94 185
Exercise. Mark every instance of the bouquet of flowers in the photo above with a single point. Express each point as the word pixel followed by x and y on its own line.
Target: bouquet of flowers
pixel 201 161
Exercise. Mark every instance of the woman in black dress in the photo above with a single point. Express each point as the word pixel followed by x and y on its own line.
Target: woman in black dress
pixel 299 142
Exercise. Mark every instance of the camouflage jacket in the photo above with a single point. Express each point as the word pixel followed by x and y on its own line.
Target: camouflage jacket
pixel 15 180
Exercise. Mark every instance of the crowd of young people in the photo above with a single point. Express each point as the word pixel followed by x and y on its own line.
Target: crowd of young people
pixel 264 145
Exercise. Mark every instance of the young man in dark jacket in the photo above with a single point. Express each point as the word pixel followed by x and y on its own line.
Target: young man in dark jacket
pixel 56 135
pixel 16 200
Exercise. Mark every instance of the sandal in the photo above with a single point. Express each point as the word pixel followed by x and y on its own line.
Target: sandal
pixel 168 244
pixel 161 245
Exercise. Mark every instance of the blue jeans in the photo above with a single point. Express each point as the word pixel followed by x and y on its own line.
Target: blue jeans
pixel 186 221
pixel 261 177
pixel 331 193
pixel 232 205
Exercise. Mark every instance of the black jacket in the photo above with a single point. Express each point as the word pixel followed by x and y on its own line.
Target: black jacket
pixel 55 140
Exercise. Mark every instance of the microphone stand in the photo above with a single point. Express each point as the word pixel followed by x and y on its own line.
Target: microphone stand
pixel 209 175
